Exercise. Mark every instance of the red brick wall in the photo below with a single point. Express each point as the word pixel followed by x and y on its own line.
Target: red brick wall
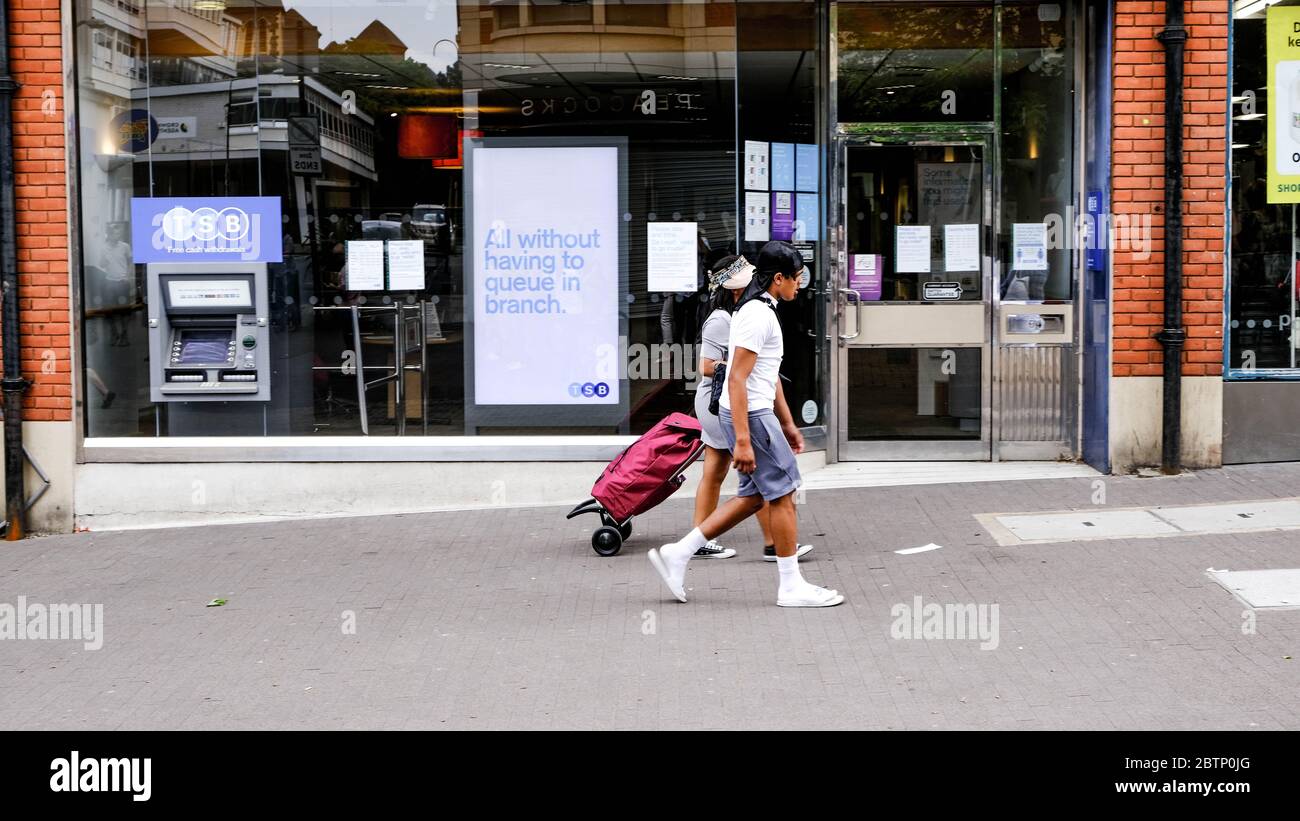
pixel 1139 180
pixel 35 38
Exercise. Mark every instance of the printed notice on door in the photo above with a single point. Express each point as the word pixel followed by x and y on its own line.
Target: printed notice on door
pixel 961 248
pixel 365 265
pixel 912 249
pixel 406 265
pixel 1029 246
pixel 671 256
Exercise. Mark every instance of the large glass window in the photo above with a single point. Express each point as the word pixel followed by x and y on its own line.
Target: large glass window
pixel 1262 294
pixel 354 116
pixel 1005 65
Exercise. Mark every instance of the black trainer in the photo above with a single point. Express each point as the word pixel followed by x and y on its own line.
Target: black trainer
pixel 769 551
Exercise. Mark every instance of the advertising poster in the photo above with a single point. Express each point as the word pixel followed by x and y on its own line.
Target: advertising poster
pixel 805 168
pixel 757 221
pixel 865 275
pixel 1283 25
pixel 950 192
pixel 782 215
pixel 756 156
pixel 545 249
pixel 807 217
pixel 206 229
pixel 782 166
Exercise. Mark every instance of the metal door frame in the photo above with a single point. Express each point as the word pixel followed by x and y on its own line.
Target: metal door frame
pixel 861 135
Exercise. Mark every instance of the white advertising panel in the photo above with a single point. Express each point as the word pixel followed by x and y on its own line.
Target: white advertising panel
pixel 545 250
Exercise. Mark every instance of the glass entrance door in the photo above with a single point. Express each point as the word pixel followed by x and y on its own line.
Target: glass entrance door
pixel 914 295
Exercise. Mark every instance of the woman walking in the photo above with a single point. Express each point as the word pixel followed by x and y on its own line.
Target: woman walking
pixel 727 281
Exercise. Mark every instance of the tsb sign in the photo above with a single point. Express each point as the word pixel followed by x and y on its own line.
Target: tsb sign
pixel 206 229
pixel 180 224
pixel 589 389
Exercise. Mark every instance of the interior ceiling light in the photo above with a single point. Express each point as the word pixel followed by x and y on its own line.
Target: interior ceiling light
pixel 506 65
pixel 674 77
pixel 1258 115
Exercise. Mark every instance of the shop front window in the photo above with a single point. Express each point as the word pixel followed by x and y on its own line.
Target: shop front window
pixel 943 68
pixel 347 132
pixel 1262 297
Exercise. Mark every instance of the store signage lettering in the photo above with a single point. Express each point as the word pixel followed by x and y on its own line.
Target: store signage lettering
pixel 649 103
pixel 205 229
pixel 1283 24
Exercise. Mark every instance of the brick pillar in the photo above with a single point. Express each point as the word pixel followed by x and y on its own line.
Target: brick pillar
pixel 1138 179
pixel 41 190
pixel 40 179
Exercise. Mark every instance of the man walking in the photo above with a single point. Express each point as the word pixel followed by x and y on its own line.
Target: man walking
pixel 762 435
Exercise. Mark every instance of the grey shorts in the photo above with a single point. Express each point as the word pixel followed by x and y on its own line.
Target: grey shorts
pixel 776 473
pixel 710 426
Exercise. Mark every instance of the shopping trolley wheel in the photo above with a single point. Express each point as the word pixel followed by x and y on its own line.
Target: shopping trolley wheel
pixel 625 530
pixel 606 541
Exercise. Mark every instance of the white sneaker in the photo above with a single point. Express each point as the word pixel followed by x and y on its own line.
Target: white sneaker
pixel 676 581
pixel 808 595
pixel 769 551
pixel 713 550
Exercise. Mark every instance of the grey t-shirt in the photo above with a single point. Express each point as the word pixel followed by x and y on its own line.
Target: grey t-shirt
pixel 713 342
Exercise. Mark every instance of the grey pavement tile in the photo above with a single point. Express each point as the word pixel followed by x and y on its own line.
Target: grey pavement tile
pixel 507 619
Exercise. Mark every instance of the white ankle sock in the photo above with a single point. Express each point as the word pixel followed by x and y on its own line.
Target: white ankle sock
pixel 789 569
pixel 682 551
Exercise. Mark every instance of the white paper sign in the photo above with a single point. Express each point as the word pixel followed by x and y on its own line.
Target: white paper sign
pixel 756 161
pixel 365 265
pixel 406 265
pixel 961 247
pixel 757 220
pixel 912 249
pixel 671 256
pixel 1029 246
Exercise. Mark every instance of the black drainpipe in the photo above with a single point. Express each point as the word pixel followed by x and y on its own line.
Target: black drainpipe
pixel 1172 336
pixel 13 384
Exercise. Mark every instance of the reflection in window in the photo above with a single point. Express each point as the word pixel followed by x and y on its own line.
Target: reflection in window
pixel 396 89
pixel 647 13
pixel 904 63
pixel 559 12
pixel 1263 299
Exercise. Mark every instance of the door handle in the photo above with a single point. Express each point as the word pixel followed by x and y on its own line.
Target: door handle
pixel 856 301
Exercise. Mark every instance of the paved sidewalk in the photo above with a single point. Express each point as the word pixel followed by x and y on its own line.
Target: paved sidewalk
pixel 508 619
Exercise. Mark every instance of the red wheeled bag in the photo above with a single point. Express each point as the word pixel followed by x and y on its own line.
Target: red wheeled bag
pixel 647 472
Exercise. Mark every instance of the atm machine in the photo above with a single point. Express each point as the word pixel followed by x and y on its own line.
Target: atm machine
pixel 209 343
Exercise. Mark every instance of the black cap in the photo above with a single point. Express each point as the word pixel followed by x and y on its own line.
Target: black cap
pixel 779 257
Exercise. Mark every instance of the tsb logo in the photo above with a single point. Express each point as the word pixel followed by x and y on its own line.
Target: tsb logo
pixel 205 224
pixel 588 389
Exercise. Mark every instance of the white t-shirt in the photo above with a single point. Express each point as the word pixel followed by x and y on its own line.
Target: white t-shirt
pixel 755 327
pixel 713 342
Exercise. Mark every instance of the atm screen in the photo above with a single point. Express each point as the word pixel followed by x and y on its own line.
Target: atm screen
pixel 204 347
pixel 231 293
